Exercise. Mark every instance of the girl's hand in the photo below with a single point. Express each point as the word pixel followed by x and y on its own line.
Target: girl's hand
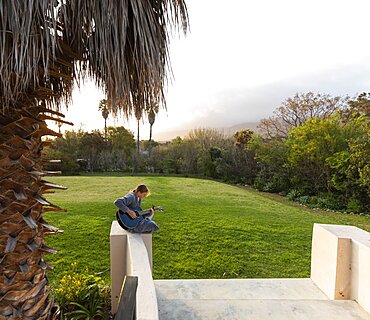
pixel 131 213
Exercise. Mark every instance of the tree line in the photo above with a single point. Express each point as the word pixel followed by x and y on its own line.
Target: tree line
pixel 92 151
pixel 314 149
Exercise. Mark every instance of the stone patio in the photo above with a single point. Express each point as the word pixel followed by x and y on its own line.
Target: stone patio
pixel 256 299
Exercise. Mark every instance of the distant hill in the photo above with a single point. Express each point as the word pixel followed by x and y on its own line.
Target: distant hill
pixel 169 135
pixel 237 127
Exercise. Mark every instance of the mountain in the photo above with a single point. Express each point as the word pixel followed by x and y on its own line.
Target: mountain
pixel 169 135
pixel 246 125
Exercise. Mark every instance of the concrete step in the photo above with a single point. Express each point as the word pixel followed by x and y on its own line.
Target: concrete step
pixel 301 289
pixel 254 299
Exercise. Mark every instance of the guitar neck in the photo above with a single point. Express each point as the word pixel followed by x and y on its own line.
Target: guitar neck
pixel 141 213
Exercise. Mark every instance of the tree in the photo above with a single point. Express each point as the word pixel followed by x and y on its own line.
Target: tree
pixel 103 107
pixel 67 149
pixel 295 111
pixel 153 110
pixel 45 48
pixel 138 115
pixel 271 156
pixel 331 156
pixel 242 137
pixel 357 107
pixel 310 147
pixel 351 165
pixel 122 147
pixel 243 165
pixel 215 156
pixel 91 148
pixel 203 140
pixel 147 144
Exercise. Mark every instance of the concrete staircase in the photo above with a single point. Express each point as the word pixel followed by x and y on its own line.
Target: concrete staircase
pixel 254 299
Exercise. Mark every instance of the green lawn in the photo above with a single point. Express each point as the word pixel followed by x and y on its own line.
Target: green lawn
pixel 209 229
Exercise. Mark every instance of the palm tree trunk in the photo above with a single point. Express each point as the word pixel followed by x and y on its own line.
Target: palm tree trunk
pixel 150 134
pixel 150 139
pixel 138 137
pixel 24 287
pixel 105 151
pixel 105 129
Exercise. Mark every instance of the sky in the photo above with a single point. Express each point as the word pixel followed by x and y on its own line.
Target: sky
pixel 243 58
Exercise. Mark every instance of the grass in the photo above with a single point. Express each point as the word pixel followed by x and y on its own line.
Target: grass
pixel 209 229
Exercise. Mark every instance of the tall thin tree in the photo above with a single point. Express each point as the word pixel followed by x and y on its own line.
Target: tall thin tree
pixel 138 115
pixel 153 110
pixel 45 48
pixel 103 107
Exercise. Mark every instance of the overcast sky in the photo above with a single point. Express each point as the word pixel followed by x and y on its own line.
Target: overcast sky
pixel 242 58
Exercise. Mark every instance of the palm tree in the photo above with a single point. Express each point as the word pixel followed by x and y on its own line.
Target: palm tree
pixel 103 107
pixel 138 115
pixel 59 124
pixel 45 48
pixel 151 118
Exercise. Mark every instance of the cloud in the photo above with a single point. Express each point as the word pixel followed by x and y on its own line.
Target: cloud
pixel 250 104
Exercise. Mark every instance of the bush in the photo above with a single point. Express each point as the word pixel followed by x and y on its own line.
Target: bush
pixel 330 201
pixel 269 187
pixel 293 194
pixel 354 205
pixel 274 183
pixel 81 295
pixel 323 201
pixel 304 199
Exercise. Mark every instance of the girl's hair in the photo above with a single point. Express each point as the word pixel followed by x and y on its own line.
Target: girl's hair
pixel 142 188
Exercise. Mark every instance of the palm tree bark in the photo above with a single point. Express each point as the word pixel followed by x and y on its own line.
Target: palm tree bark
pixel 24 287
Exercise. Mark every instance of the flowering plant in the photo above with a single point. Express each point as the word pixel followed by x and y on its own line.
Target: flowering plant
pixel 81 295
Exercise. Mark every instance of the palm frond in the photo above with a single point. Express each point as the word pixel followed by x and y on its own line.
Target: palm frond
pixel 123 45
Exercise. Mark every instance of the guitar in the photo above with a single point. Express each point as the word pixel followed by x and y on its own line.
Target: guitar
pixel 129 223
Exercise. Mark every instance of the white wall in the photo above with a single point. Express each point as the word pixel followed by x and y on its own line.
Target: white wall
pixel 340 262
pixel 131 254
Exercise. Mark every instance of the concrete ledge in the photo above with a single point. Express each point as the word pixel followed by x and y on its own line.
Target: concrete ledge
pixel 340 262
pixel 147 307
pixel 360 269
pixel 131 254
pixel 330 261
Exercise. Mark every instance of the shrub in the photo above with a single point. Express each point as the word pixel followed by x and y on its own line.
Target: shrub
pixel 273 183
pixel 293 194
pixel 330 201
pixel 354 205
pixel 81 295
pixel 304 199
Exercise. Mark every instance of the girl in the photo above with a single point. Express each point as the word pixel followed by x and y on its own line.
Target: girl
pixel 131 202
